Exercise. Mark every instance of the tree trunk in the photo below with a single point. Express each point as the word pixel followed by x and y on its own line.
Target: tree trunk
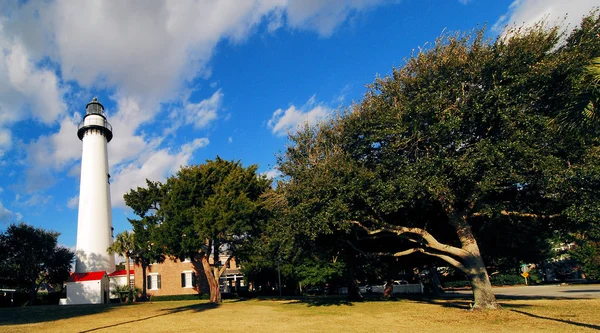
pixel 213 284
pixel 353 291
pixel 435 281
pixel 127 269
pixel 144 295
pixel 32 292
pixel 474 266
pixel 483 295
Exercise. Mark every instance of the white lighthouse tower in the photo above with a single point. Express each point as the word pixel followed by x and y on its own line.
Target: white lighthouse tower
pixel 94 225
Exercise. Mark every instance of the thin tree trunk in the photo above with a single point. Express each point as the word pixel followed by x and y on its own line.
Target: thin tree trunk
pixel 144 295
pixel 435 281
pixel 215 293
pixel 127 269
pixel 32 293
pixel 353 291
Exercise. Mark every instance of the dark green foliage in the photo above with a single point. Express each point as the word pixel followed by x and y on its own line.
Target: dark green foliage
pixel 315 273
pixel 507 280
pixel 216 202
pixel 204 210
pixel 24 299
pixel 30 256
pixel 145 203
pixel 464 144
pixel 587 254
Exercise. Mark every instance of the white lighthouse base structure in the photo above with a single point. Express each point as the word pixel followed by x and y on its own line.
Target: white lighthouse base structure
pixel 87 288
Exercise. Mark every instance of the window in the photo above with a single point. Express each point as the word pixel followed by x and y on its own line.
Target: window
pixel 153 281
pixel 187 260
pixel 188 279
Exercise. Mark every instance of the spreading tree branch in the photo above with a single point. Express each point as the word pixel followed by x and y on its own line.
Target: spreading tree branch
pixel 454 262
pixel 431 241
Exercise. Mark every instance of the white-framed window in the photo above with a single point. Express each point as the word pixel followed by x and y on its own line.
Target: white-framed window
pixel 187 260
pixel 153 281
pixel 188 279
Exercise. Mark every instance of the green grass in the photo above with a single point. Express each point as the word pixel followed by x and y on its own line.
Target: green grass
pixel 309 315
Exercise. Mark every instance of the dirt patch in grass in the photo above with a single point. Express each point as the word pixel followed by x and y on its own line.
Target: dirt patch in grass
pixel 309 315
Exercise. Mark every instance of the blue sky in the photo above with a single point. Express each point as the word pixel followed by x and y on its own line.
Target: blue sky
pixel 185 81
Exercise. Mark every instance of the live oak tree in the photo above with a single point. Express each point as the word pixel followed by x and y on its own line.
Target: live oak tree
pixel 464 134
pixel 30 257
pixel 208 210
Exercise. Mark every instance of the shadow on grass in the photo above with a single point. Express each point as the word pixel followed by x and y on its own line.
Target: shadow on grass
pixel 194 307
pixel 558 320
pixel 322 301
pixel 44 313
pixel 448 300
pixel 39 314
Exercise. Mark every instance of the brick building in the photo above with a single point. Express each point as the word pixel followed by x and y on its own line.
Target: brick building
pixel 173 277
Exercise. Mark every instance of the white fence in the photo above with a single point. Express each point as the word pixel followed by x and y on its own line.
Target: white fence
pixel 416 288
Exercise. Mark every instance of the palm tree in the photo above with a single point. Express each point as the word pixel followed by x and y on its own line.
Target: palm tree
pixel 583 116
pixel 592 109
pixel 125 246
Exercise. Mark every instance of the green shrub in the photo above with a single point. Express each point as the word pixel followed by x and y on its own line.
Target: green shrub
pixel 587 254
pixel 535 277
pixel 507 280
pixel 457 284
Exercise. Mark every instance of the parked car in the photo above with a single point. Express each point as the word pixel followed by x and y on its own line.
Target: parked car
pixel 366 289
pixel 314 291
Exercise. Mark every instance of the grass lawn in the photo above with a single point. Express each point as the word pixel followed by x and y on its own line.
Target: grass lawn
pixel 309 315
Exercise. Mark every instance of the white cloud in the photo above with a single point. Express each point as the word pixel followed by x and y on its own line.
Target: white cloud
pixel 152 48
pixel 7 216
pixel 58 149
pixel 127 144
pixel 51 153
pixel 273 173
pixel 26 90
pixel 5 140
pixel 73 202
pixel 146 52
pixel 311 113
pixel 324 16
pixel 34 200
pixel 75 171
pixel 229 140
pixel 202 113
pixel 528 12
pixel 154 165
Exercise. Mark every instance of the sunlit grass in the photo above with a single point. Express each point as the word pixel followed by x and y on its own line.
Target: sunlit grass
pixel 309 315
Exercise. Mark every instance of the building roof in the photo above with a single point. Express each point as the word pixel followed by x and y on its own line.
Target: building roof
pixel 89 276
pixel 121 272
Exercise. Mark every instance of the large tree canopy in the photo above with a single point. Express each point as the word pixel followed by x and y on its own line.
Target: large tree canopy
pixel 30 257
pixel 202 212
pixel 465 135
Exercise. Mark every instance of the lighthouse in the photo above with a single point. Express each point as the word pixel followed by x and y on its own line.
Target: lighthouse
pixel 94 224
